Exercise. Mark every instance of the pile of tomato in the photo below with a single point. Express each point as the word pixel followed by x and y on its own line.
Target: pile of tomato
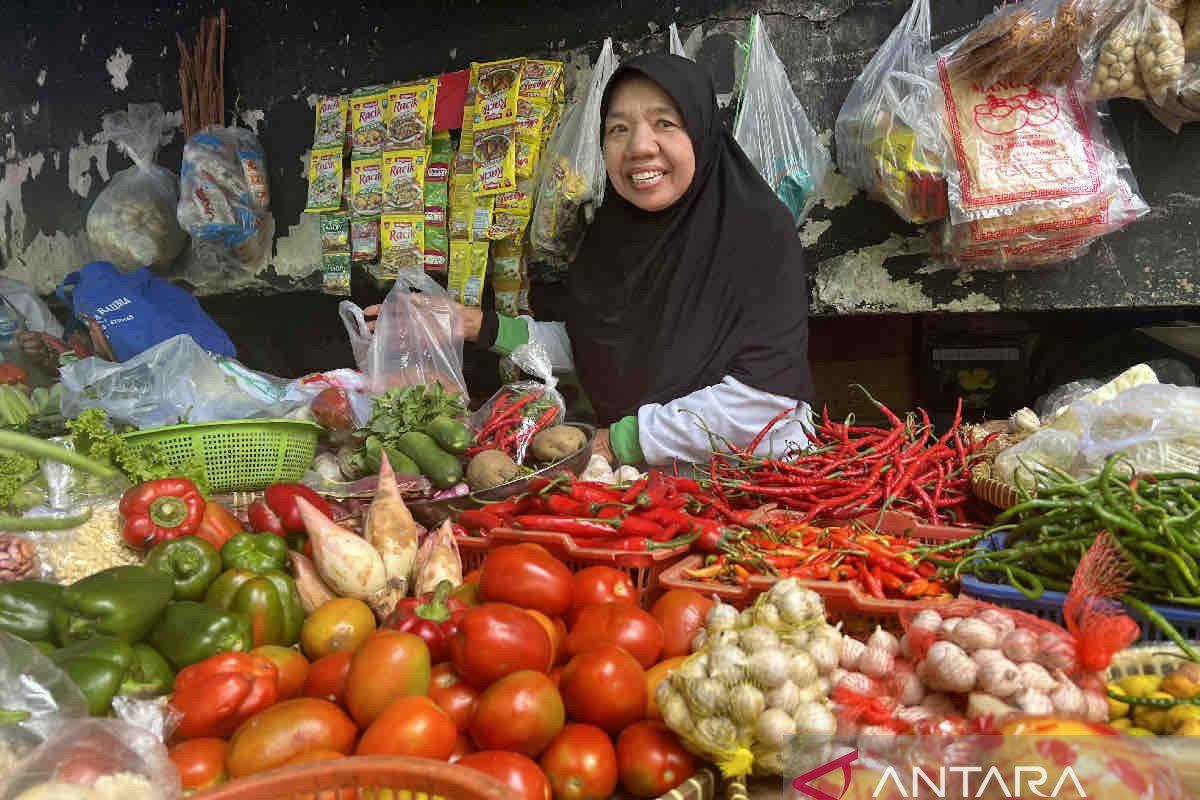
pixel 547 684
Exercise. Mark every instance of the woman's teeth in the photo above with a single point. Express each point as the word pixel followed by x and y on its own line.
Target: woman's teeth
pixel 642 178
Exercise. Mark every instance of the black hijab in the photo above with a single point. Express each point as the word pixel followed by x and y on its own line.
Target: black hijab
pixel 665 303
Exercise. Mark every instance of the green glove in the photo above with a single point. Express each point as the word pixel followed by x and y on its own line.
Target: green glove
pixel 269 599
pixel 124 602
pixel 150 675
pixel 97 666
pixel 27 609
pixel 257 552
pixel 192 563
pixel 189 632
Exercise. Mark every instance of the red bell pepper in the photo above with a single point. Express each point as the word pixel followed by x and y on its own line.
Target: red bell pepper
pixel 434 618
pixel 218 525
pixel 159 510
pixel 216 695
pixel 278 513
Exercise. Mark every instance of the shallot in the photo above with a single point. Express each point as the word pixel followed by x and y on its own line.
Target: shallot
pixel 348 563
pixel 391 529
pixel 313 591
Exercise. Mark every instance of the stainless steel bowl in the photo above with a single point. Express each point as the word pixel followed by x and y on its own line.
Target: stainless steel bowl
pixel 432 513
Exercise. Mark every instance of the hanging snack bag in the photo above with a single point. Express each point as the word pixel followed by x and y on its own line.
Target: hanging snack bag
pixel 495 159
pixel 531 120
pixel 497 84
pixel 460 206
pixel 325 179
pixel 541 79
pixel 468 269
pixel 367 125
pixel 330 129
pixel 364 238
pixel 335 273
pixel 506 276
pixel 402 239
pixel 1116 73
pixel 437 202
pixel 1160 53
pixel 511 214
pixel 404 181
pixel 409 114
pixel 366 186
pixel 482 211
pixel 335 232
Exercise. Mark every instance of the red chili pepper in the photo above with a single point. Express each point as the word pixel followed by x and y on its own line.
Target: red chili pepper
pixel 159 510
pixel 476 519
pixel 564 506
pixel 633 525
pixel 278 513
pixel 708 538
pixel 610 512
pixel 891 581
pixel 581 528
pixel 631 494
pixel 594 493
pixel 688 486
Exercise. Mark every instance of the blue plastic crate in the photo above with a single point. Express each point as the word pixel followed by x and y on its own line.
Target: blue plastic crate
pixel 1050 605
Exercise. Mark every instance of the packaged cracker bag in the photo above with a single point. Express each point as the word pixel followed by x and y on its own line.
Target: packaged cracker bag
pixel 402 240
pixel 335 232
pixel 364 238
pixel 409 114
pixel 497 85
pixel 404 181
pixel 325 179
pixel 335 273
pixel 366 186
pixel 330 129
pixel 367 125
pixel 495 159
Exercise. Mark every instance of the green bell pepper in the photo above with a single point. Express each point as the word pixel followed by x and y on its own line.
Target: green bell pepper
pixel 27 609
pixel 97 666
pixel 270 599
pixel 189 632
pixel 257 552
pixel 150 675
pixel 46 648
pixel 192 563
pixel 124 602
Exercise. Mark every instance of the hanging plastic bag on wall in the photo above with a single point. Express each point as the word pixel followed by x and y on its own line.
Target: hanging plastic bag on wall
pixel 224 200
pixel 132 223
pixel 541 406
pixel 675 44
pixel 571 179
pixel 886 131
pixel 774 131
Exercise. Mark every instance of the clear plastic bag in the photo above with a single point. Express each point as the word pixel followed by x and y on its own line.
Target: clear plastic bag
pixel 499 425
pixel 677 47
pixel 132 223
pixel 32 686
pixel 571 178
pixel 1155 426
pixel 1176 110
pixel 96 759
pixel 224 199
pixel 418 338
pixel 1057 400
pixel 1116 72
pixel 773 129
pixel 1161 53
pixel 887 131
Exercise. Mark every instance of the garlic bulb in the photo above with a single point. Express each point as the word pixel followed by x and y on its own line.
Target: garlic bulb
pixel 823 687
pixel 756 638
pixel 797 639
pixel 938 703
pixel 813 692
pixel 1056 652
pixel 927 620
pixel 723 638
pixel 876 663
pixel 797 605
pixel 769 668
pixel 947 629
pixel 1020 645
pixel 824 654
pixel 676 714
pixel 815 719
pixel 705 696
pixel 974 634
pixel 717 733
pixel 906 646
pixel 768 614
pixel 774 728
pixel 980 704
pixel 1068 699
pixel 859 684
pixel 746 703
pixel 948 669
pixel 802 669
pixel 1097 707
pixel 727 663
pixel 852 650
pixel 1034 676
pixel 699 640
pixel 785 696
pixel 746 618
pixel 913 714
pixel 909 689
pixel 882 640
pixel 694 668
pixel 1032 701
pixel 987 656
pixel 1002 622
pixel 721 616
pixel 1000 678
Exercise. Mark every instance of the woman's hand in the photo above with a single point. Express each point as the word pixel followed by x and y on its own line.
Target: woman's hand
pixel 470 318
pixel 601 446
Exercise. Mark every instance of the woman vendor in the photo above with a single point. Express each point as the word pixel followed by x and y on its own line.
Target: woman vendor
pixel 688 307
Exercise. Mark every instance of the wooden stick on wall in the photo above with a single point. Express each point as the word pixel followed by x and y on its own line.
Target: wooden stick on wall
pixel 202 75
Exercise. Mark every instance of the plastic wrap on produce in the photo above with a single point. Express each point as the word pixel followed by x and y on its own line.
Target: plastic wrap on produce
pixel 544 408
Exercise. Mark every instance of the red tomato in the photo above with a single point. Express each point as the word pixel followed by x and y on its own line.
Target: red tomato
pixel 521 712
pixel 599 585
pixel 462 747
pixel 622 624
pixel 331 409
pixel 520 773
pixel 497 639
pixel 286 730
pixel 681 614
pixel 605 687
pixel 201 762
pixel 555 629
pixel 651 760
pixel 453 695
pixel 410 726
pixel 293 668
pixel 327 678
pixel 526 575
pixel 389 664
pixel 581 764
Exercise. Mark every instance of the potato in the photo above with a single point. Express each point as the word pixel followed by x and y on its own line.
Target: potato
pixel 491 468
pixel 1183 682
pixel 555 444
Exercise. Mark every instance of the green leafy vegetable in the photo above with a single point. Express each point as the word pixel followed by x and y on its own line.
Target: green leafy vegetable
pixel 411 408
pixel 93 437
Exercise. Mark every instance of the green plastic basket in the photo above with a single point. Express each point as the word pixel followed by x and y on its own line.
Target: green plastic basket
pixel 239 455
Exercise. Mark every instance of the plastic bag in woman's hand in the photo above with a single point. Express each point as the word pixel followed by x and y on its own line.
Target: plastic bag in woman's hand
pixel 775 132
pixel 518 411
pixel 132 223
pixel 35 695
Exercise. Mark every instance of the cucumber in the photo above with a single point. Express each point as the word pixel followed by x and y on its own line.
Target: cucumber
pixel 451 435
pixel 373 458
pixel 442 468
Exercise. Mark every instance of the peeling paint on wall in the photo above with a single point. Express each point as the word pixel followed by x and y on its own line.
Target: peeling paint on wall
pixel 118 65
pixel 813 229
pixel 836 191
pixel 857 280
pixel 81 160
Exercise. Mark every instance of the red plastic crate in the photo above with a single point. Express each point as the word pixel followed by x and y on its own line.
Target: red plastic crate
pixel 643 569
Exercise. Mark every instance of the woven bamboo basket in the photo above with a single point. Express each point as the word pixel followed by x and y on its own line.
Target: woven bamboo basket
pixel 984 483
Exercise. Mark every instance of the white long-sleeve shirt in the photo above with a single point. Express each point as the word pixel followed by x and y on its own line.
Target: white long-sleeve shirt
pixel 676 430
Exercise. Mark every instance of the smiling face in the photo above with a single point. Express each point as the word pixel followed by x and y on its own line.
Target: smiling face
pixel 647 150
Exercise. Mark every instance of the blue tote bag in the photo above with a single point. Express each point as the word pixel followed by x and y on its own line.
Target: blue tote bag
pixel 137 310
